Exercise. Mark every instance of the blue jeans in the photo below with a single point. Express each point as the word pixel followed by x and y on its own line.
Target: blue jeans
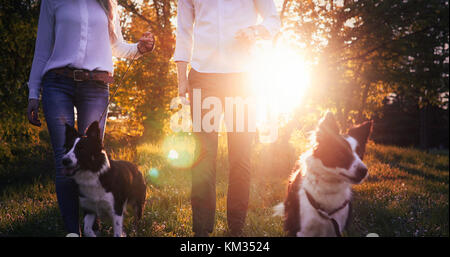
pixel 59 97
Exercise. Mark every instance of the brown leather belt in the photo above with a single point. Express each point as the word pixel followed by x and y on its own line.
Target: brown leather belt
pixel 84 75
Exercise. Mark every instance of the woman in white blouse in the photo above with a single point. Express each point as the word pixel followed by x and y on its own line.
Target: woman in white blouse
pixel 72 67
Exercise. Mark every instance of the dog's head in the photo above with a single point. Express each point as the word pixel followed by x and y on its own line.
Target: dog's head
pixel 83 153
pixel 341 155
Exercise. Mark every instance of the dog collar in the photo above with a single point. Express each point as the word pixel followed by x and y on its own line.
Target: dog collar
pixel 327 215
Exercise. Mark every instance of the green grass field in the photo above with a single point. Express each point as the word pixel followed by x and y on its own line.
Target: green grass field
pixel 407 193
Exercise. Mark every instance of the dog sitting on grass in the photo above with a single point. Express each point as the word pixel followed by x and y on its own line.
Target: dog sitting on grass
pixel 319 194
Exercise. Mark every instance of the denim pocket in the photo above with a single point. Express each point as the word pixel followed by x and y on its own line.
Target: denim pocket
pixel 99 84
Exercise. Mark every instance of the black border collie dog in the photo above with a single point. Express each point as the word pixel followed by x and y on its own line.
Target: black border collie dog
pixel 319 191
pixel 105 186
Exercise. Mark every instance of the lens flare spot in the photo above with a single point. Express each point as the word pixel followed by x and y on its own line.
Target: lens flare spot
pixel 179 149
pixel 153 173
pixel 173 155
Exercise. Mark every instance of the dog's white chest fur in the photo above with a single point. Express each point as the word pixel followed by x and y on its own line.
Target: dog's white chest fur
pixel 313 224
pixel 93 196
pixel 97 202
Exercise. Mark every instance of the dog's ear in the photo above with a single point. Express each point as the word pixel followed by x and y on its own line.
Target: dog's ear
pixel 328 125
pixel 93 131
pixel 361 133
pixel 71 133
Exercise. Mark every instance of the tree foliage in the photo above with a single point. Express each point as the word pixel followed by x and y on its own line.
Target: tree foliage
pixel 365 50
pixel 150 84
pixel 18 27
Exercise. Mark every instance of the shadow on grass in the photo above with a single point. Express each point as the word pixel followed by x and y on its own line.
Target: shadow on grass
pixel 31 164
pixel 423 174
pixel 427 176
pixel 371 216
pixel 46 223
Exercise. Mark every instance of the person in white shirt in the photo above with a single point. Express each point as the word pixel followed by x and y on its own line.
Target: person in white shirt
pixel 72 67
pixel 214 37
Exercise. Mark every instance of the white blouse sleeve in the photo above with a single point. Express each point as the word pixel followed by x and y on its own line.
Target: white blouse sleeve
pixel 43 49
pixel 120 48
pixel 185 26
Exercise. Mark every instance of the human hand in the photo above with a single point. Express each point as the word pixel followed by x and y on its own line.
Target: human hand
pixel 246 36
pixel 183 86
pixel 183 81
pixel 33 112
pixel 146 43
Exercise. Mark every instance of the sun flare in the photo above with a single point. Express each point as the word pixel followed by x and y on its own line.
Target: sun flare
pixel 280 77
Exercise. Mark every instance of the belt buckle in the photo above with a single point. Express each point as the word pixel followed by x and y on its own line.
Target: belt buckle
pixel 75 72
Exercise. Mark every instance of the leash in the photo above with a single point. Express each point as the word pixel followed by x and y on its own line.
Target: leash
pixel 118 86
pixel 327 215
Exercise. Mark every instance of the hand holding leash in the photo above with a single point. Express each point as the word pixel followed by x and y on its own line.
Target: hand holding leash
pixel 247 37
pixel 146 43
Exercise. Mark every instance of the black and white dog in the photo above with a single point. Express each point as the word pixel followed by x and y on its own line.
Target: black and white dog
pixel 319 191
pixel 105 186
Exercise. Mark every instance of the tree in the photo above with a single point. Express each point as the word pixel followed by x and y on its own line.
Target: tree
pixel 18 27
pixel 364 50
pixel 150 84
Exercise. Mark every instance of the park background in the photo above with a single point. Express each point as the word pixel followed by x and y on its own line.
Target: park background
pixel 385 61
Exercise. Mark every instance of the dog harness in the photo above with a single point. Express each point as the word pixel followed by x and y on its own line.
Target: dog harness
pixel 327 215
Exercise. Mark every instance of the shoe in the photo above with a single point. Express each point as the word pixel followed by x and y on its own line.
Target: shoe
pixel 72 235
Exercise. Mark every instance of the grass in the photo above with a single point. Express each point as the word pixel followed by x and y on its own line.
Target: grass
pixel 407 193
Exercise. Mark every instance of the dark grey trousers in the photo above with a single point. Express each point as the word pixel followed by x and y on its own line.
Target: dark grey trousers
pixel 203 194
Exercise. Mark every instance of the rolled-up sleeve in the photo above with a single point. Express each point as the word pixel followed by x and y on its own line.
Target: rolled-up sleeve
pixel 43 49
pixel 120 48
pixel 271 19
pixel 185 25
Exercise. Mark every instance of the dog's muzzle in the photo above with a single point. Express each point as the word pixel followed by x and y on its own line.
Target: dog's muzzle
pixel 69 168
